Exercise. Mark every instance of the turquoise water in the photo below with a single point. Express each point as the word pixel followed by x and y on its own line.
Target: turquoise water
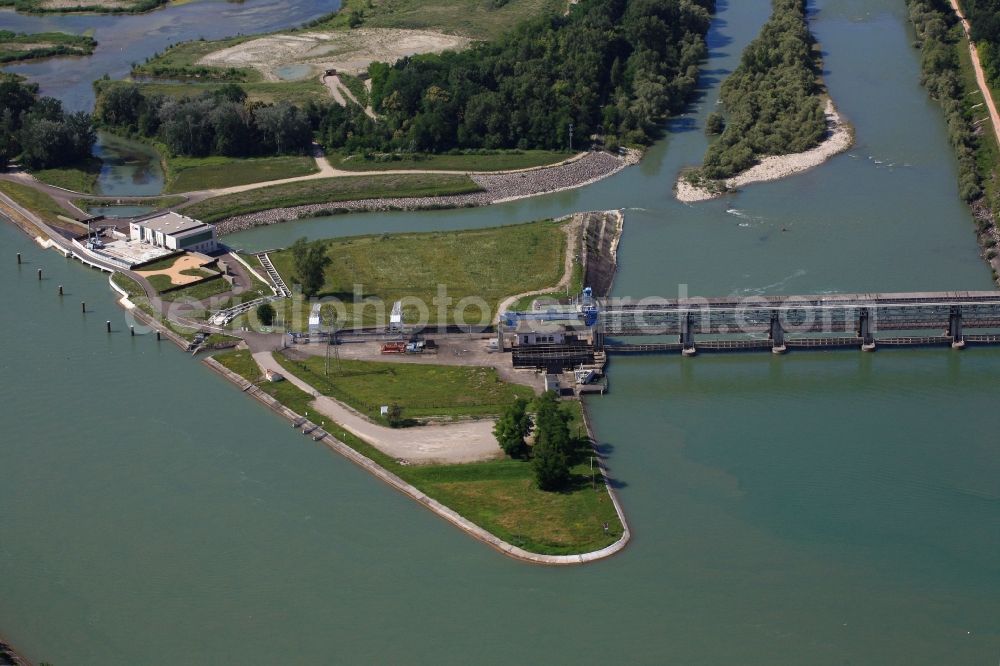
pixel 829 508
pixel 293 72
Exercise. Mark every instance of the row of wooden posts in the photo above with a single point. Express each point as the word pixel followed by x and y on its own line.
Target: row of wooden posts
pixel 83 304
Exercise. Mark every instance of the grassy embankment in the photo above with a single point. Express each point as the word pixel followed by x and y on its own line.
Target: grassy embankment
pixel 423 391
pixel 490 264
pixel 78 178
pixel 496 160
pixel 773 101
pixel 39 203
pixel 331 190
pixel 268 92
pixel 188 174
pixel 18 46
pixel 498 495
pixel 87 6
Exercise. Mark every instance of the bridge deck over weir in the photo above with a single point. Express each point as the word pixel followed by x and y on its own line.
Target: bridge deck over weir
pixel 819 321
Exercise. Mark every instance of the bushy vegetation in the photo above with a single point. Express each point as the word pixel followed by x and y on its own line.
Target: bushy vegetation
pixel 773 99
pixel 36 129
pixel 609 67
pixel 331 190
pixel 938 33
pixel 219 122
pixel 15 47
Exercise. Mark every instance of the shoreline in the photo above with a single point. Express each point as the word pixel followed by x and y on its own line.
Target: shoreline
pixel 840 137
pixel 498 188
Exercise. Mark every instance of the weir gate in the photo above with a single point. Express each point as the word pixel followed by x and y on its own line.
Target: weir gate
pixel 777 323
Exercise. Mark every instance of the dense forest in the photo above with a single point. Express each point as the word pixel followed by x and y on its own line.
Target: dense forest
pixel 611 67
pixel 614 68
pixel 37 131
pixel 937 34
pixel 220 122
pixel 984 16
pixel 772 100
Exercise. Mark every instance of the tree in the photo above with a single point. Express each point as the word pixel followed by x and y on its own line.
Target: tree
pixel 552 444
pixel 715 123
pixel 512 428
pixel 311 261
pixel 394 415
pixel 266 313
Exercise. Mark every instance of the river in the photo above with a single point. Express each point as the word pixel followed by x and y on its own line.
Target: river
pixel 823 508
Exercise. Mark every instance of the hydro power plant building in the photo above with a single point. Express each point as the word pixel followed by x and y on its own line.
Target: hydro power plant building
pixel 175 232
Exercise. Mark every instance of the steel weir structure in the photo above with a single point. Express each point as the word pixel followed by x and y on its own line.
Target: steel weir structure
pixel 779 323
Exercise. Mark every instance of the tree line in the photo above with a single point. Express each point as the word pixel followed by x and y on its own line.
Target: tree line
pixel 772 100
pixel 218 122
pixel 37 131
pixel 938 36
pixel 555 449
pixel 614 68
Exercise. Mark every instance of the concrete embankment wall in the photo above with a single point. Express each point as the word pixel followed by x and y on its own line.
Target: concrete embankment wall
pixel 600 236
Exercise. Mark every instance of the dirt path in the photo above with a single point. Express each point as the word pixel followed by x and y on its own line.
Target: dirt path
pixel 334 85
pixel 572 231
pixel 341 93
pixel 984 87
pixel 470 441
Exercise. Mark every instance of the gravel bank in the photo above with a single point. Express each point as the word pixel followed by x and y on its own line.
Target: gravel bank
pixel 497 188
pixel 839 138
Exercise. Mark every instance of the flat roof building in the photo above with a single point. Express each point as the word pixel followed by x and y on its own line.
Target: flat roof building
pixel 174 231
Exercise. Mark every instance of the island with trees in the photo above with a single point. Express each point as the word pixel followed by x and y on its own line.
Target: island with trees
pixel 775 109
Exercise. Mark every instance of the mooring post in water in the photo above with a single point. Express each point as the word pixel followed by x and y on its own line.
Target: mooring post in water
pixel 18 258
pixel 131 330
pixel 39 273
pixel 157 336
pixel 83 307
pixel 108 325
pixel 60 290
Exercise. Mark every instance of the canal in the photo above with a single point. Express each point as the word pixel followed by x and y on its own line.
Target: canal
pixel 822 508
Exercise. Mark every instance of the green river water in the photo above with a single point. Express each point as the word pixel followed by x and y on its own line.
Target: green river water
pixel 827 508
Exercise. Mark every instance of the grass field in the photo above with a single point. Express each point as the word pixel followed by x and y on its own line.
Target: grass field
pixel 498 495
pixel 330 190
pixel 486 263
pixel 469 18
pixel 18 46
pixel 187 174
pixel 489 161
pixel 79 178
pixel 422 391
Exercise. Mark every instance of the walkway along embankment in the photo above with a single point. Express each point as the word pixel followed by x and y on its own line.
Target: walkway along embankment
pixel 462 523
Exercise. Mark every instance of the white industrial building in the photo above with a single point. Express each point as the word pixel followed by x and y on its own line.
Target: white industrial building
pixel 173 231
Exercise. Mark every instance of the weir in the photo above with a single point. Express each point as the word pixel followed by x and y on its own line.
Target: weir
pixel 833 320
pixel 780 323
